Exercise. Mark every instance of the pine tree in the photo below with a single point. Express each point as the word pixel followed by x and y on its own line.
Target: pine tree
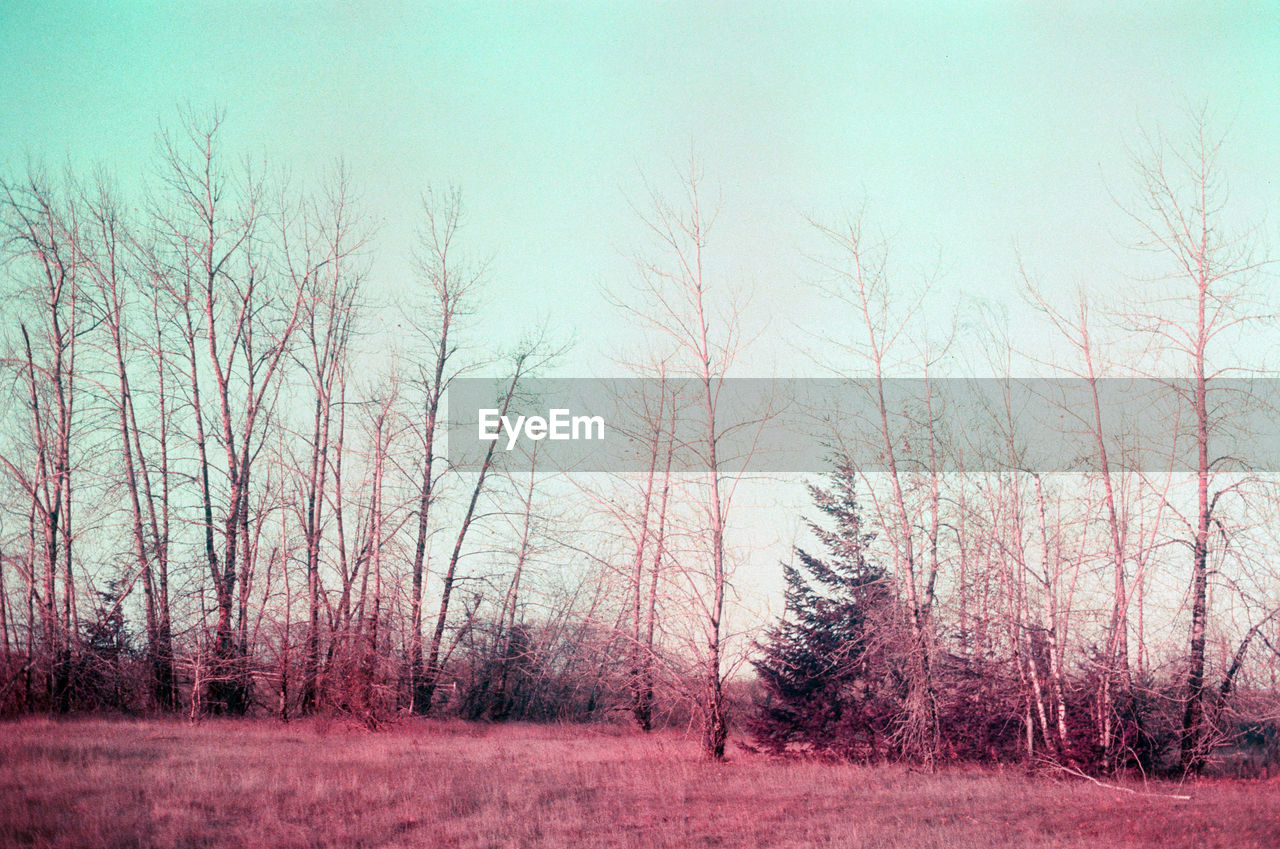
pixel 825 666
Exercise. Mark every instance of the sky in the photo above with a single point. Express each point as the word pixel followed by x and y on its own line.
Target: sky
pixel 969 134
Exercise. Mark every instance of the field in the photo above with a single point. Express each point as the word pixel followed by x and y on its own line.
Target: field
pixel 98 783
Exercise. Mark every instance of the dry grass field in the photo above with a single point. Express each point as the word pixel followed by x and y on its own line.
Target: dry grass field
pixel 104 784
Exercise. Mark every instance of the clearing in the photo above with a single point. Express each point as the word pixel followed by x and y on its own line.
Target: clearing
pixel 256 783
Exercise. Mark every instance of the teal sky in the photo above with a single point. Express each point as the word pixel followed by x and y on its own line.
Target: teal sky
pixel 968 129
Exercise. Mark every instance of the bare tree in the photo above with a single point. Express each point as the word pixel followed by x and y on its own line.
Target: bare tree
pixel 451 285
pixel 1115 679
pixel 675 300
pixel 858 277
pixel 650 541
pixel 116 266
pixel 322 269
pixel 40 237
pixel 528 358
pixel 1205 298
pixel 237 321
pixel 632 548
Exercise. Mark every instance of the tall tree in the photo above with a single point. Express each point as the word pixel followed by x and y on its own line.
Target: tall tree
pixel 323 268
pixel 649 540
pixel 910 514
pixel 1204 300
pixel 676 299
pixel 525 360
pixel 40 234
pixel 238 315
pixel 115 264
pixel 450 285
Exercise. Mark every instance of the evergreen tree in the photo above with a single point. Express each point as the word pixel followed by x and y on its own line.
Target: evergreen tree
pixel 825 666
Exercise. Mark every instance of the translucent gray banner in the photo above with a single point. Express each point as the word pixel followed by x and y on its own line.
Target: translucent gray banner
pixel 797 425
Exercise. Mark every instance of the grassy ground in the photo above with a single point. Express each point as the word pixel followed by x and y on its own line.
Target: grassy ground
pixel 95 783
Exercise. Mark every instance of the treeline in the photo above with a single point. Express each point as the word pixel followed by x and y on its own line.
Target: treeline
pixel 181 374
pixel 1004 683
pixel 224 488
pixel 223 493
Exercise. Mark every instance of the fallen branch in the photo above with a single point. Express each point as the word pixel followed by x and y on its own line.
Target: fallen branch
pixel 1084 775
